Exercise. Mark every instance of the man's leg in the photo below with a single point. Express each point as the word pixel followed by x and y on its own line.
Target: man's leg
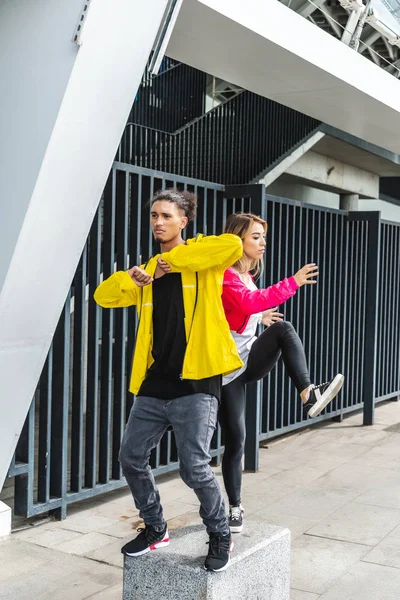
pixel 194 419
pixel 146 426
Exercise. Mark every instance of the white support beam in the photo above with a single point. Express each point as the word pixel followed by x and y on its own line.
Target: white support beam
pixel 307 8
pixel 394 68
pixel 374 57
pixel 368 41
pixel 62 112
pixel 351 26
pixel 330 17
pixel 389 48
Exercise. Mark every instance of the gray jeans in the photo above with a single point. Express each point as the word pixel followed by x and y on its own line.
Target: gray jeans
pixel 193 419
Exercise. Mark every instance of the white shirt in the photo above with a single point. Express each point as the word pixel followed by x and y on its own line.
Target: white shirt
pixel 244 340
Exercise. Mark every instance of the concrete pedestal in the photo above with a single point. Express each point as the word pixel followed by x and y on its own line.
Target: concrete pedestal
pixel 5 521
pixel 259 569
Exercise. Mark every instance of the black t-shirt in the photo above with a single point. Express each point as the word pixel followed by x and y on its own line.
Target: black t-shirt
pixel 163 379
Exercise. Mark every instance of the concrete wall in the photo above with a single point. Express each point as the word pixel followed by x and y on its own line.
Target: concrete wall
pixel 295 191
pixel 67 110
pixel 389 212
pixel 36 34
pixel 304 193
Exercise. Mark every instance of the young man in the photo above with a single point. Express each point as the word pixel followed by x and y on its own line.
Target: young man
pixel 183 347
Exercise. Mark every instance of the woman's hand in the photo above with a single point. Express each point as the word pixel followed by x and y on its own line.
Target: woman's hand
pixel 270 316
pixel 306 274
pixel 140 277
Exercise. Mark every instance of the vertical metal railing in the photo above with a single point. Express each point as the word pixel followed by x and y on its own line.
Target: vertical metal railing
pixel 171 99
pixel 69 446
pixel 387 382
pixel 234 143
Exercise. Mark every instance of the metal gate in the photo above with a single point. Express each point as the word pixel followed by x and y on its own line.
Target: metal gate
pixel 68 450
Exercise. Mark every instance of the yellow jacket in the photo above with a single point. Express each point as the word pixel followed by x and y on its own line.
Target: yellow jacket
pixel 210 348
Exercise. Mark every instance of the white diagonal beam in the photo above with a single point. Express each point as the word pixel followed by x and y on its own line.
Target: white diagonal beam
pixel 61 119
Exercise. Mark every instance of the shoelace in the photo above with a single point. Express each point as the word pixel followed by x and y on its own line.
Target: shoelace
pixel 151 534
pixel 217 542
pixel 236 513
pixel 316 387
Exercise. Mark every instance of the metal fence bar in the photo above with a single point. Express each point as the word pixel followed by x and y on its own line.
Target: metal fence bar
pixel 93 354
pixel 60 410
pixel 79 367
pixel 372 274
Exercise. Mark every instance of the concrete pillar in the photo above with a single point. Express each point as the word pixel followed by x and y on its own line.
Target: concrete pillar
pixel 63 109
pixel 349 202
pixel 5 521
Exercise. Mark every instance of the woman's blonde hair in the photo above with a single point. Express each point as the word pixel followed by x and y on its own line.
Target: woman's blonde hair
pixel 240 224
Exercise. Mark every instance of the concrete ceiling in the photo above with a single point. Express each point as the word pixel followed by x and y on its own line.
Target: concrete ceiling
pixel 356 157
pixel 264 47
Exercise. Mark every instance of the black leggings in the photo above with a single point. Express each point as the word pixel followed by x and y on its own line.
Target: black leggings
pixel 279 338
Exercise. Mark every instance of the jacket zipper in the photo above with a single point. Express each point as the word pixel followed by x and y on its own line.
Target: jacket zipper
pixel 191 325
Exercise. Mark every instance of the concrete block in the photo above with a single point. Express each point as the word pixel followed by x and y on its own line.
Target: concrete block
pixel 5 521
pixel 259 569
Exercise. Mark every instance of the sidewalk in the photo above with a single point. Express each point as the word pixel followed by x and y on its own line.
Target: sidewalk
pixel 336 486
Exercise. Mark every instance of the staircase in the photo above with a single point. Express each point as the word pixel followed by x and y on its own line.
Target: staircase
pixel 168 130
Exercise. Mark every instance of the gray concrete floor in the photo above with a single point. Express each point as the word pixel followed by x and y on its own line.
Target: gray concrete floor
pixel 336 486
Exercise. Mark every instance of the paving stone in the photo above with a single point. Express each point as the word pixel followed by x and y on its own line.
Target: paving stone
pixel 62 578
pixel 297 525
pixel 111 593
pixel 366 581
pixel 86 543
pixel 313 503
pixel 300 595
pixel 387 496
pixel 317 562
pixel 358 523
pixel 387 552
pixel 17 558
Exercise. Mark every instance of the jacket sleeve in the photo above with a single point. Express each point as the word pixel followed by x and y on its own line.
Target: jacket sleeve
pixel 118 290
pixel 212 251
pixel 235 295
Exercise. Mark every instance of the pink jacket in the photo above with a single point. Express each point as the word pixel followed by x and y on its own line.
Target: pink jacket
pixel 239 302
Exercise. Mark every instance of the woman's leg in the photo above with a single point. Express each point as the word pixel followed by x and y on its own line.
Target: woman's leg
pixel 232 420
pixel 279 338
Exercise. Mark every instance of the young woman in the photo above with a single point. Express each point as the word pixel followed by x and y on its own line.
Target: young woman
pixel 245 307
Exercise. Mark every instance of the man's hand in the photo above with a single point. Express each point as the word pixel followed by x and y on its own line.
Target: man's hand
pixel 164 266
pixel 270 316
pixel 306 274
pixel 140 277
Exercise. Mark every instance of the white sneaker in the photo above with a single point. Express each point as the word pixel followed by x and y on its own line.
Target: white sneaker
pixel 236 514
pixel 321 395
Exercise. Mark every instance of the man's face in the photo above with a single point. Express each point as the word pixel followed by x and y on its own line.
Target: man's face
pixel 167 221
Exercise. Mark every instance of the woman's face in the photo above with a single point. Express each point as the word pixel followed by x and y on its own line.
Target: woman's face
pixel 254 242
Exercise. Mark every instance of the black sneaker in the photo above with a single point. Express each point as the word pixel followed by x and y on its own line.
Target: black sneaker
pixel 236 514
pixel 320 395
pixel 148 539
pixel 219 550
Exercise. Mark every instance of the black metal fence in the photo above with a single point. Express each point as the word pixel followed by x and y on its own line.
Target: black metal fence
pixel 69 447
pixel 170 100
pixel 232 144
pixel 388 313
